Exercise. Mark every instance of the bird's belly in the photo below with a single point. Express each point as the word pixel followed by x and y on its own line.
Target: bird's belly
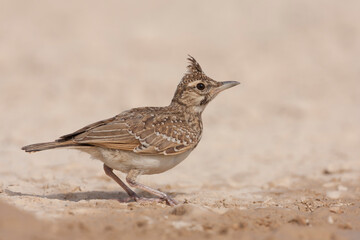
pixel 124 161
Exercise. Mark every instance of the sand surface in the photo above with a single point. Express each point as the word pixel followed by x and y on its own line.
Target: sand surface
pixel 279 156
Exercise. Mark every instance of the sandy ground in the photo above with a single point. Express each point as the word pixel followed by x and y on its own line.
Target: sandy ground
pixel 279 157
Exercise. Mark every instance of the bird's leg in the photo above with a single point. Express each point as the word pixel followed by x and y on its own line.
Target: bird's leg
pixel 131 179
pixel 110 173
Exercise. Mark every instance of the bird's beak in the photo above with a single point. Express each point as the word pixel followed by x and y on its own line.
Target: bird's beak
pixel 226 85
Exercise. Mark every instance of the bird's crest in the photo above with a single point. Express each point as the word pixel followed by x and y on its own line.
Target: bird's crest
pixel 194 66
pixel 194 72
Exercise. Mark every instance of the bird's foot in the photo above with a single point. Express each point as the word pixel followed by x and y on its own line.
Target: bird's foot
pixel 169 201
pixel 131 198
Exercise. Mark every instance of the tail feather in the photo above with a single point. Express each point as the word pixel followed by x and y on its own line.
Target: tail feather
pixel 45 146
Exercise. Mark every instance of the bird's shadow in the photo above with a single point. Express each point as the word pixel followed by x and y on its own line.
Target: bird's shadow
pixel 89 195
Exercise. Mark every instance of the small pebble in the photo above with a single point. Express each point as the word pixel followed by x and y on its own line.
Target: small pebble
pixel 335 210
pixel 333 194
pixel 342 188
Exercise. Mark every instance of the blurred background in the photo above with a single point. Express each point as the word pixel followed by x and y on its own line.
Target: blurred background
pixel 64 65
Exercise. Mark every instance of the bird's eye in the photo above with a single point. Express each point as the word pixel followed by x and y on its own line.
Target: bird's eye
pixel 200 86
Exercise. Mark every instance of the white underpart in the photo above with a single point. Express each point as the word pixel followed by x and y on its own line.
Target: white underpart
pixel 124 161
pixel 199 109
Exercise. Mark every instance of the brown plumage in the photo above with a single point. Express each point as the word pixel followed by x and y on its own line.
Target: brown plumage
pixel 147 140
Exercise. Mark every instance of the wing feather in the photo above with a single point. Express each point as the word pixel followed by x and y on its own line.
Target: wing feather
pixel 147 131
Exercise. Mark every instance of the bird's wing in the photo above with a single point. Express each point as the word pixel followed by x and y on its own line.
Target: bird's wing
pixel 85 129
pixel 142 130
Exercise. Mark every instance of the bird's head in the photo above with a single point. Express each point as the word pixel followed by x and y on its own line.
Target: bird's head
pixel 196 90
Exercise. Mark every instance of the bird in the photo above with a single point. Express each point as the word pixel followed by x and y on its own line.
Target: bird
pixel 147 140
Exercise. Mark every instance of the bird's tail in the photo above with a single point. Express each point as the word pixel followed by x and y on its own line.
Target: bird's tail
pixel 45 146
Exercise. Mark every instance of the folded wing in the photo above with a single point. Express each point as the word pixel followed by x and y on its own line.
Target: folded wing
pixel 136 130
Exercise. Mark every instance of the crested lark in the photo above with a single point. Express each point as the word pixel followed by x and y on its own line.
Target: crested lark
pixel 147 140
